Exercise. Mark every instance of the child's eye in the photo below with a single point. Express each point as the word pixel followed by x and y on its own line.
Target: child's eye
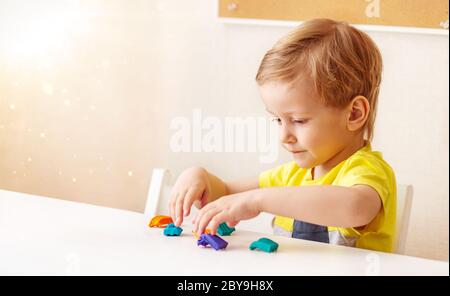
pixel 276 119
pixel 300 121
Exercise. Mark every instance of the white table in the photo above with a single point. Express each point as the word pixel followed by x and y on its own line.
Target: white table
pixel 44 236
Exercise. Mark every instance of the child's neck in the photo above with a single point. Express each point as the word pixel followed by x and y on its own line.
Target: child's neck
pixel 324 168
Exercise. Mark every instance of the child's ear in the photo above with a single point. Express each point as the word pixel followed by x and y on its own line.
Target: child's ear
pixel 358 113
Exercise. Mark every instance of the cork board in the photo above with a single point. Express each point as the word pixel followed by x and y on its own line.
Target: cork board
pixel 431 14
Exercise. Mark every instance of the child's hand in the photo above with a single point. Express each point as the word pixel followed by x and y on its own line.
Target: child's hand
pixel 231 209
pixel 191 186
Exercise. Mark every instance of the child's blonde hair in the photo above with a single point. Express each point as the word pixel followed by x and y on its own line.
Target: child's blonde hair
pixel 342 61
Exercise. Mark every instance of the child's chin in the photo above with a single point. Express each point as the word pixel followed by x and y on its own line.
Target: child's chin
pixel 303 163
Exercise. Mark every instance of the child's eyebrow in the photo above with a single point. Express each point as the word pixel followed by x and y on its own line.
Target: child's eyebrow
pixel 291 113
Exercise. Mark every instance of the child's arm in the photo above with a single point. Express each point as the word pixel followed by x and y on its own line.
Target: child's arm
pixel 242 185
pixel 324 205
pixel 197 186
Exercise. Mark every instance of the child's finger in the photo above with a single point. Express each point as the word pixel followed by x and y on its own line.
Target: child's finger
pixel 191 196
pixel 179 209
pixel 232 223
pixel 200 214
pixel 195 220
pixel 172 202
pixel 198 218
pixel 216 220
pixel 204 198
pixel 204 220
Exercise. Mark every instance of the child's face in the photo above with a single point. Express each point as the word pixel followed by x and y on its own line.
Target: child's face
pixel 313 132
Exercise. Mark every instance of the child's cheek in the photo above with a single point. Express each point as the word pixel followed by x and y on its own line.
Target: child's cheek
pixel 319 142
pixel 313 138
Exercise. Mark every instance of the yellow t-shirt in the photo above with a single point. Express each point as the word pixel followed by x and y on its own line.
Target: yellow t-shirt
pixel 364 167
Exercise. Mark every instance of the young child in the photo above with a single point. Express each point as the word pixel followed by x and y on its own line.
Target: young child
pixel 321 84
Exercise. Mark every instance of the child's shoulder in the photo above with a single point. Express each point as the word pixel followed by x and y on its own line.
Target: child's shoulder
pixel 368 159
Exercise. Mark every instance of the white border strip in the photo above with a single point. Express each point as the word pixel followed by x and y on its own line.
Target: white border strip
pixel 374 28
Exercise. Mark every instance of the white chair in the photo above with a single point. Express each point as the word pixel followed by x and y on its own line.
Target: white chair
pixel 404 204
pixel 158 194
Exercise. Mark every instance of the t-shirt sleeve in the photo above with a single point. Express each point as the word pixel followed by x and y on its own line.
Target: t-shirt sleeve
pixel 372 172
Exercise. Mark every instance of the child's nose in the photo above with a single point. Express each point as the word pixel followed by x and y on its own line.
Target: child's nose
pixel 287 137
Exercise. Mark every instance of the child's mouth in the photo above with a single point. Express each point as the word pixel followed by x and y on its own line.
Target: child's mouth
pixel 298 152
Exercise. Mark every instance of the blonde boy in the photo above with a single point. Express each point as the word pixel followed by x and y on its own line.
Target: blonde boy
pixel 321 84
